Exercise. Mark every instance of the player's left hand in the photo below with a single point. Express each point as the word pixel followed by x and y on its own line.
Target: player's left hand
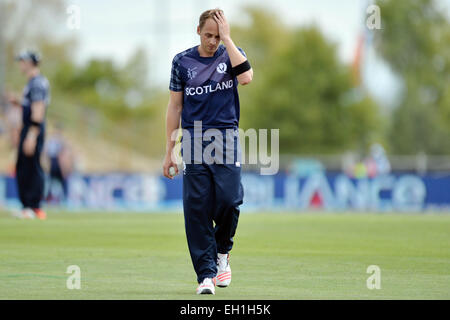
pixel 224 27
pixel 29 146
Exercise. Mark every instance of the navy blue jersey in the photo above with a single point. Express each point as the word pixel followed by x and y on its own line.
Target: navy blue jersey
pixel 209 89
pixel 37 89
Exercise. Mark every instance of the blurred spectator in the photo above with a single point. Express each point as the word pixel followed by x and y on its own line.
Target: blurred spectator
pixel 379 158
pixel 376 164
pixel 60 159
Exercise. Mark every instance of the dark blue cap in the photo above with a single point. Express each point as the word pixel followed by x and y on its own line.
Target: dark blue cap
pixel 29 55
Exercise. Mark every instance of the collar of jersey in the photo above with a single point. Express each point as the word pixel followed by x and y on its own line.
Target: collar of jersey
pixel 216 54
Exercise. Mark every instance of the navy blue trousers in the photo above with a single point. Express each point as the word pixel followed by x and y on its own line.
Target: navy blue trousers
pixel 29 173
pixel 212 194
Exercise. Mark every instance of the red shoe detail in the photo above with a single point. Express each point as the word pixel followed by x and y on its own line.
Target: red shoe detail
pixel 40 214
pixel 224 275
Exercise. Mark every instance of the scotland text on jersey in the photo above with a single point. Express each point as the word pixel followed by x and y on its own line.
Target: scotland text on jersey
pixel 192 91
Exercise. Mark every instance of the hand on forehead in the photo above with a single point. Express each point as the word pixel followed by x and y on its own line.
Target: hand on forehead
pixel 211 26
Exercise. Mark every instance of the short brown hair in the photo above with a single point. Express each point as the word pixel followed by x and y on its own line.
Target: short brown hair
pixel 207 15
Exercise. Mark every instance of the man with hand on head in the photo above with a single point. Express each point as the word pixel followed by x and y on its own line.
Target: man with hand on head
pixel 203 89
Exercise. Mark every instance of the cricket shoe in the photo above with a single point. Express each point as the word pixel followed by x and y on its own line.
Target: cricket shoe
pixel 223 270
pixel 207 286
pixel 25 213
pixel 40 214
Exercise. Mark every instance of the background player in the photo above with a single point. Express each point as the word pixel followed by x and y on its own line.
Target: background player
pixel 36 97
pixel 203 88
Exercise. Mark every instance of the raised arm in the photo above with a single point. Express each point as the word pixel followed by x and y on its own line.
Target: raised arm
pixel 236 57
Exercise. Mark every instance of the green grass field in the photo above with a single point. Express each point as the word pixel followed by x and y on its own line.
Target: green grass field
pixel 276 256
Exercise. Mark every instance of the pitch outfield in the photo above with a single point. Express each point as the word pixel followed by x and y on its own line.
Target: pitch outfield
pixel 277 256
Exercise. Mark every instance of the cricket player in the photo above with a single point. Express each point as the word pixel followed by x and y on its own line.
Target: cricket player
pixel 36 97
pixel 203 90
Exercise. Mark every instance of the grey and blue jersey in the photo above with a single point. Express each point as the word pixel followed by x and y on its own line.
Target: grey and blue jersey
pixel 209 89
pixel 37 89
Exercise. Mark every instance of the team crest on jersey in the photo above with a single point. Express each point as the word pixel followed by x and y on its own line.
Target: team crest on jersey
pixel 222 68
pixel 192 73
